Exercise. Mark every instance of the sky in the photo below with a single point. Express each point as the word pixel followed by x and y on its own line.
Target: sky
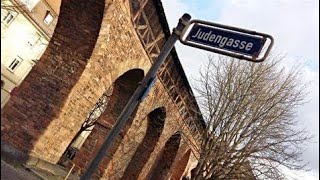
pixel 294 24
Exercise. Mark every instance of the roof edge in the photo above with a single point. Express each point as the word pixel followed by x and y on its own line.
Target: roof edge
pixel 166 30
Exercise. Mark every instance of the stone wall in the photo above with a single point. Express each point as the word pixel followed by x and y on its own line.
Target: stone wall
pixel 93 45
pixel 39 115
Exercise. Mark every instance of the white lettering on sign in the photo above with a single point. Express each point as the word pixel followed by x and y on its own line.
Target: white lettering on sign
pixel 223 41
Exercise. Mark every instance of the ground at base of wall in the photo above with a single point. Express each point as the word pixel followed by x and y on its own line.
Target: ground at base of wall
pixel 45 175
pixel 17 164
pixel 9 172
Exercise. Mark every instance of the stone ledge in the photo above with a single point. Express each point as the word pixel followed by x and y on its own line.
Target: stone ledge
pixel 43 169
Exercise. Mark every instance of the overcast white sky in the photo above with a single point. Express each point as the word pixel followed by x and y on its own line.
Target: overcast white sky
pixel 294 24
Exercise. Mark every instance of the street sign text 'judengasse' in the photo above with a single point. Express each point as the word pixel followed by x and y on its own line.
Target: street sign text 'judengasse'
pixel 227 40
pixel 200 36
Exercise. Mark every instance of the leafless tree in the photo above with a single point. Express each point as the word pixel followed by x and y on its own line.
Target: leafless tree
pixel 95 114
pixel 89 122
pixel 250 113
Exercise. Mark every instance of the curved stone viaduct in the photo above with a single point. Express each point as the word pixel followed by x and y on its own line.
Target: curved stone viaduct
pixel 97 46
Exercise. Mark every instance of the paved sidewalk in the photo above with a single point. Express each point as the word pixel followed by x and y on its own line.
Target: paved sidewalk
pixel 48 171
pixel 42 170
pixel 15 165
pixel 9 172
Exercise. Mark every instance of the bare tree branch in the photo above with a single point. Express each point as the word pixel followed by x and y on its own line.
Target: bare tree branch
pixel 249 110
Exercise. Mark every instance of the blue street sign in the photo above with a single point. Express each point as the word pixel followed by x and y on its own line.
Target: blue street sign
pixel 227 40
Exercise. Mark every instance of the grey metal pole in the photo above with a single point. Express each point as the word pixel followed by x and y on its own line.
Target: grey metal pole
pixel 136 97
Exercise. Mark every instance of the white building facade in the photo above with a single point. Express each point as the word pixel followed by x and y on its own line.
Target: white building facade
pixel 26 28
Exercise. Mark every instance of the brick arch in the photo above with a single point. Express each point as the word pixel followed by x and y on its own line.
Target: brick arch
pixel 180 168
pixel 49 83
pixel 161 168
pixel 156 120
pixel 123 88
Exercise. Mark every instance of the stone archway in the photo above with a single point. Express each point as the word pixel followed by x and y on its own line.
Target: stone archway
pixel 180 167
pixel 154 129
pixel 163 164
pixel 50 82
pixel 122 90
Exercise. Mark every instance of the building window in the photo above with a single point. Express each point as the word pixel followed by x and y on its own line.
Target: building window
pixel 30 4
pixel 48 18
pixel 8 17
pixel 14 64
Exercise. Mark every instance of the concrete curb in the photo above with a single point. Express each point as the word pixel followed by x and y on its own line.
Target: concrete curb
pixel 44 165
pixel 43 169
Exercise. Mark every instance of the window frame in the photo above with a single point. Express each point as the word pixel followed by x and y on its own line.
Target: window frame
pixel 48 14
pixel 13 13
pixel 30 4
pixel 11 67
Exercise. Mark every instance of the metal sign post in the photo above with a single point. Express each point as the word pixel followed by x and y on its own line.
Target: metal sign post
pixel 137 96
pixel 226 40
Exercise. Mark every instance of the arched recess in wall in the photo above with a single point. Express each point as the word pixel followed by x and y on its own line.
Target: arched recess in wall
pixel 180 167
pixel 49 83
pixel 122 90
pixel 156 120
pixel 87 127
pixel 168 154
